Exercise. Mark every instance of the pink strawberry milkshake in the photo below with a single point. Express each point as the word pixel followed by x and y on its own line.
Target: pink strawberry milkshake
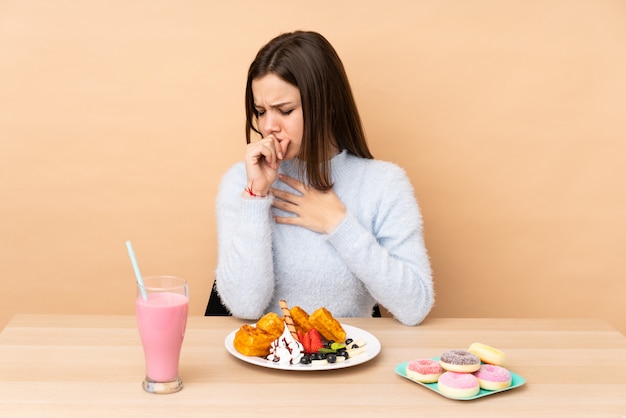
pixel 162 320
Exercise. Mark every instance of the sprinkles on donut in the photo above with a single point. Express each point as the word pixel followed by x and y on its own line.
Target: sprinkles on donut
pixel 491 377
pixel 461 361
pixel 424 370
pixel 458 385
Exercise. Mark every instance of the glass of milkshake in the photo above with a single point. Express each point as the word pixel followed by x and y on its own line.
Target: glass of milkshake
pixel 161 306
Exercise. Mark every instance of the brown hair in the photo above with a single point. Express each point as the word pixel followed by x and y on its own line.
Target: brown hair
pixel 331 119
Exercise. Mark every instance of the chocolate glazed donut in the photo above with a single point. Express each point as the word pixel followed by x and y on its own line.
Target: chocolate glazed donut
pixel 461 361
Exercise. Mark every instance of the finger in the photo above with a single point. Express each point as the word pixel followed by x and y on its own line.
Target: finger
pixel 285 200
pixel 287 220
pixel 282 148
pixel 270 145
pixel 266 150
pixel 259 150
pixel 293 183
pixel 285 206
pixel 283 195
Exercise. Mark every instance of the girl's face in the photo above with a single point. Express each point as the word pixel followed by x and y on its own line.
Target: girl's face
pixel 279 107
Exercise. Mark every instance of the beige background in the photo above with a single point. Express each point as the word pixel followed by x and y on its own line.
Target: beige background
pixel 117 119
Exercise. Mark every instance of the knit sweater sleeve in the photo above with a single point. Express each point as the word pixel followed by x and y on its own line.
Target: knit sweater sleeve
pixel 389 256
pixel 244 275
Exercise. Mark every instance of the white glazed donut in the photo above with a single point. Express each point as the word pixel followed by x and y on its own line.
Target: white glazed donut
pixel 487 354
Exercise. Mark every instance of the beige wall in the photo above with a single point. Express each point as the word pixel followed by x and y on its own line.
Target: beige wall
pixel 117 119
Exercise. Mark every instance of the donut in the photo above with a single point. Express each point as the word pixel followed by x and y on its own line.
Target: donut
pixel 492 377
pixel 423 370
pixel 487 354
pixel 458 385
pixel 461 361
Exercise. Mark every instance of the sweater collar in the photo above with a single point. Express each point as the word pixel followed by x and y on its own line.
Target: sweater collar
pixel 337 164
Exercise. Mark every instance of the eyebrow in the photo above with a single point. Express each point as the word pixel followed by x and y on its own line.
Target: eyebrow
pixel 276 104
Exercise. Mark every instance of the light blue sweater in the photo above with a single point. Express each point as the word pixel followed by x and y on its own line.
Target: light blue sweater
pixel 376 255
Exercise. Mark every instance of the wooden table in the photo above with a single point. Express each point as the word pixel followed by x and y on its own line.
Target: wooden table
pixel 92 366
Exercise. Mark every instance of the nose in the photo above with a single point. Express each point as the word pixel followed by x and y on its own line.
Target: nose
pixel 270 123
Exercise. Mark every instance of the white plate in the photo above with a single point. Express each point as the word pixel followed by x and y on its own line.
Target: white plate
pixel 372 348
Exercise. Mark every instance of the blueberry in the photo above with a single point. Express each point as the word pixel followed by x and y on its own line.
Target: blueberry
pixel 349 341
pixel 331 358
pixel 305 360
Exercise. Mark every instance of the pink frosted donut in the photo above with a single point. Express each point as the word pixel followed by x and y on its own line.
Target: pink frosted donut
pixel 492 377
pixel 461 361
pixel 424 370
pixel 458 385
